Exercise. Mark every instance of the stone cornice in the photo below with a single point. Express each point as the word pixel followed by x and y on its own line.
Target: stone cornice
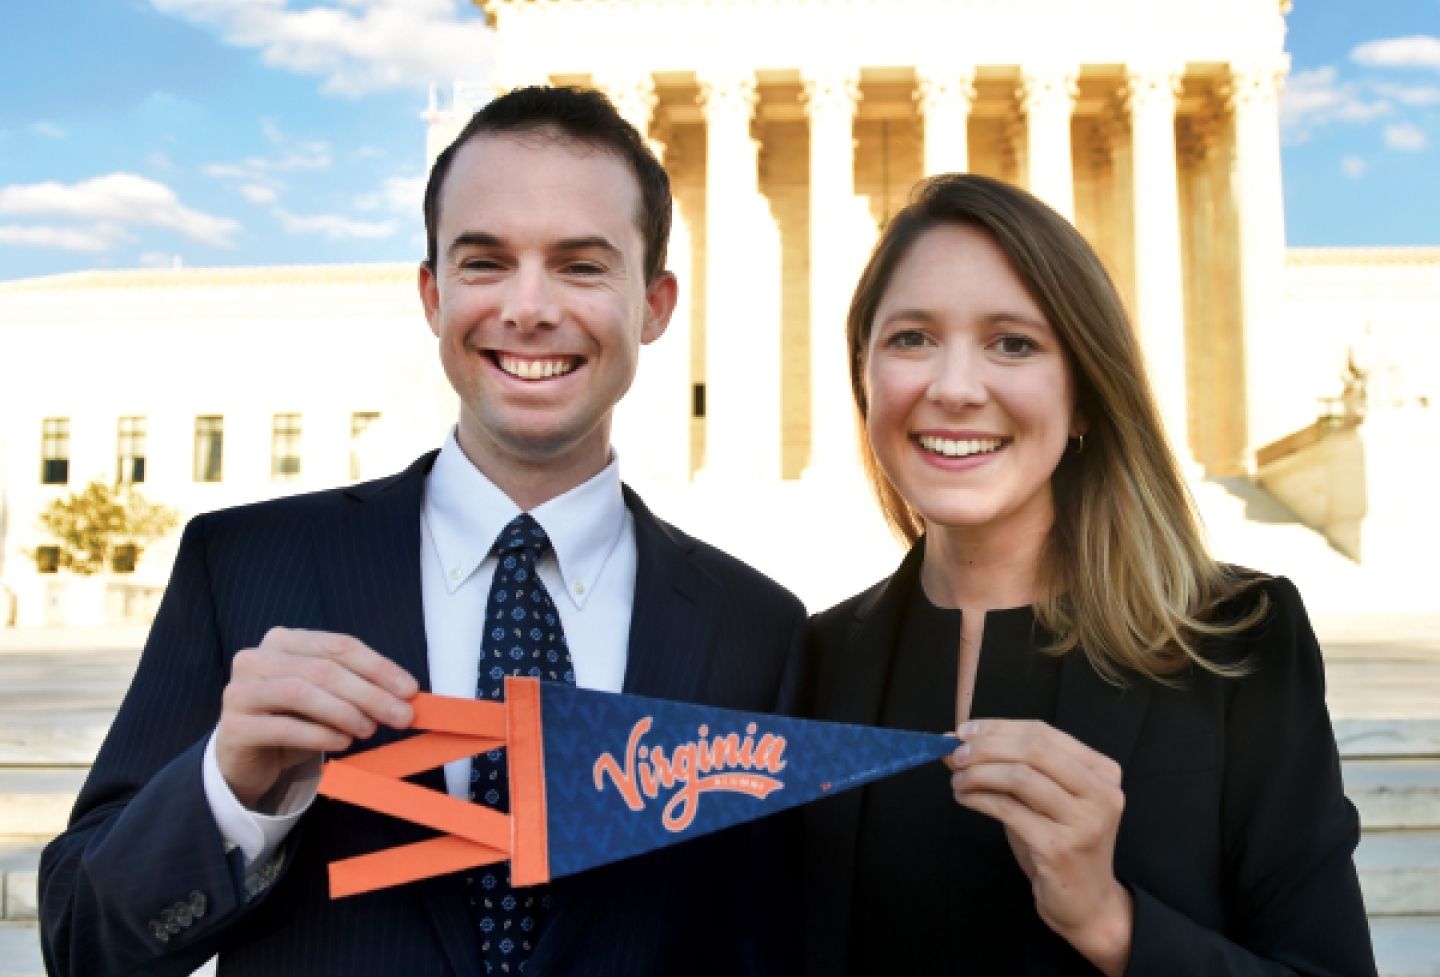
pixel 140 278
pixel 1416 257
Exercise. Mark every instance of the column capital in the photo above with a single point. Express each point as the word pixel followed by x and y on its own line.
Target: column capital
pixel 944 90
pixel 1041 87
pixel 1151 86
pixel 1255 81
pixel 834 90
pixel 728 92
pixel 632 94
pixel 1197 134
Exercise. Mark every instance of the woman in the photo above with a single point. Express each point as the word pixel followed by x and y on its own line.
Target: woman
pixel 1147 781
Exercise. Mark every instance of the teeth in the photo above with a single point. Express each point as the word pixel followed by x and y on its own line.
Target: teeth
pixel 959 449
pixel 534 369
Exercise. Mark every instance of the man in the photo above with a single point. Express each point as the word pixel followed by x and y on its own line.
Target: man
pixel 302 626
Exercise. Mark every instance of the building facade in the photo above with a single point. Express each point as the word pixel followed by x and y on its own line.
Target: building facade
pixel 792 130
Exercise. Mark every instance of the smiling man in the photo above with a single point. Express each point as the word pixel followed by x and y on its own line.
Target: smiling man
pixel 302 626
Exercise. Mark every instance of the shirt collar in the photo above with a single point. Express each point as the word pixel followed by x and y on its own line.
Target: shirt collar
pixel 465 511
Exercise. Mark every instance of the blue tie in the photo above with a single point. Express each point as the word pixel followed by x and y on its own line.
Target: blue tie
pixel 523 636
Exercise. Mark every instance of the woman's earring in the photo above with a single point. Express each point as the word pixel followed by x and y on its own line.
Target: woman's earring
pixel 1077 444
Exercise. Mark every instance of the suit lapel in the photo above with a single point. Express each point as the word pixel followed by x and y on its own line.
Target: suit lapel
pixel 370 586
pixel 672 625
pixel 850 688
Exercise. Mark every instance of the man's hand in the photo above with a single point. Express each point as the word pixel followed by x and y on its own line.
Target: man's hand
pixel 1060 802
pixel 299 694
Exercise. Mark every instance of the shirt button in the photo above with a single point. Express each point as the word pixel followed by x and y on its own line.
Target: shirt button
pixel 455 574
pixel 579 587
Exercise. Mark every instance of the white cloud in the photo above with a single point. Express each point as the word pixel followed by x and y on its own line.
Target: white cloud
pixel 61 238
pixel 48 129
pixel 402 195
pixel 1404 136
pixel 1318 97
pixel 122 199
pixel 1417 95
pixel 258 193
pixel 1354 167
pixel 357 46
pixel 1415 51
pixel 334 226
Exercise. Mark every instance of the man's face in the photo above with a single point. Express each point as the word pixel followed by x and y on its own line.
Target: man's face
pixel 539 300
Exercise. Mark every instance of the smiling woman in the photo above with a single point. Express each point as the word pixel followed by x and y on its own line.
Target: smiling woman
pixel 1059 610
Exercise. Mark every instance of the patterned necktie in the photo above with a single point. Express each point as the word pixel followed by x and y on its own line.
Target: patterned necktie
pixel 523 636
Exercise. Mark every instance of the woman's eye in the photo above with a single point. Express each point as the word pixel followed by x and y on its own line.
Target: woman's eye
pixel 1014 345
pixel 906 339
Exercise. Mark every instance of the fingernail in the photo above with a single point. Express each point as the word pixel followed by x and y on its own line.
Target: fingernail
pixel 400 714
pixel 968 729
pixel 961 752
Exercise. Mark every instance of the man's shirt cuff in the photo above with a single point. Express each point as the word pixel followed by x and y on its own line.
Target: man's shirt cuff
pixel 258 835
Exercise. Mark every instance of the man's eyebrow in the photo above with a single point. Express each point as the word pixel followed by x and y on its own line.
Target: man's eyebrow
pixel 472 239
pixel 594 242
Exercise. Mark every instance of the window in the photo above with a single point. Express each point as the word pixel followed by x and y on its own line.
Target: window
pixel 130 451
pixel 209 448
pixel 360 422
pixel 285 447
pixel 55 451
pixel 124 558
pixel 47 559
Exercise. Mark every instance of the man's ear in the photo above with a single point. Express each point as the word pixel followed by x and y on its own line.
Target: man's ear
pixel 660 296
pixel 429 296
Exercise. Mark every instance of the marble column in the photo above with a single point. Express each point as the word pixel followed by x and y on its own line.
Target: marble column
pixel 945 97
pixel 742 330
pixel 1253 97
pixel 1150 94
pixel 651 429
pixel 1047 98
pixel 830 100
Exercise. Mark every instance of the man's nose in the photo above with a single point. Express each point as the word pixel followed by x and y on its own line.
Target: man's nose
pixel 531 300
pixel 959 379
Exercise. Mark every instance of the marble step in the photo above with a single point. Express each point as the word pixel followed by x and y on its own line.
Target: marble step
pixel 1400 872
pixel 1395 793
pixel 36 801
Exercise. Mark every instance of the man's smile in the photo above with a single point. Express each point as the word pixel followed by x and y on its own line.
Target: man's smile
pixel 535 367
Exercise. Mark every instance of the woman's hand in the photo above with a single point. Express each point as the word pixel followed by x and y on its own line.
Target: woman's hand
pixel 1060 803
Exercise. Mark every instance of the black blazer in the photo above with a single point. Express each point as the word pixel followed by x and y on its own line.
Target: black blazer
pixel 1236 840
pixel 704 628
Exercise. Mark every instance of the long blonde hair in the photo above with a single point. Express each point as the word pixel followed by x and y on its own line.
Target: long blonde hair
pixel 1125 574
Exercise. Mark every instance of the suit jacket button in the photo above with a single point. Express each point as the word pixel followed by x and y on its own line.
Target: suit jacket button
pixel 198 904
pixel 167 917
pixel 159 930
pixel 183 915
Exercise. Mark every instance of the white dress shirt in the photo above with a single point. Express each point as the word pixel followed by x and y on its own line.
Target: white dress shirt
pixel 589 572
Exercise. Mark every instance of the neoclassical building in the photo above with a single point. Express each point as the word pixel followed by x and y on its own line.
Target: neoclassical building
pixel 792 130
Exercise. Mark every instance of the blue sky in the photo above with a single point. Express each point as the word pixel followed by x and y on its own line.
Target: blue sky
pixel 241 132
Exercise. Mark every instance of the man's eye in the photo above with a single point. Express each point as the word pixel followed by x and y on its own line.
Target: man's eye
pixel 584 268
pixel 479 264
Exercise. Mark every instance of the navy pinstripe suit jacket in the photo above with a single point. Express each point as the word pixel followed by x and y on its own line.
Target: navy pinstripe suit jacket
pixel 705 628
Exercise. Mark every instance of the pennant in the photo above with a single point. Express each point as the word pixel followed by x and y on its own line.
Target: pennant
pixel 596 777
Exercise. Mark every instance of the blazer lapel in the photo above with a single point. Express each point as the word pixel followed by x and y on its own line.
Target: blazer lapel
pixel 1107 718
pixel 850 688
pixel 370 588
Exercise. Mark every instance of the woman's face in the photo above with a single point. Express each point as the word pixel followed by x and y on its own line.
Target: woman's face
pixel 971 400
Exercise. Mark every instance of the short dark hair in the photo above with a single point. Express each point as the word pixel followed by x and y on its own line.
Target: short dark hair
pixel 585 116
